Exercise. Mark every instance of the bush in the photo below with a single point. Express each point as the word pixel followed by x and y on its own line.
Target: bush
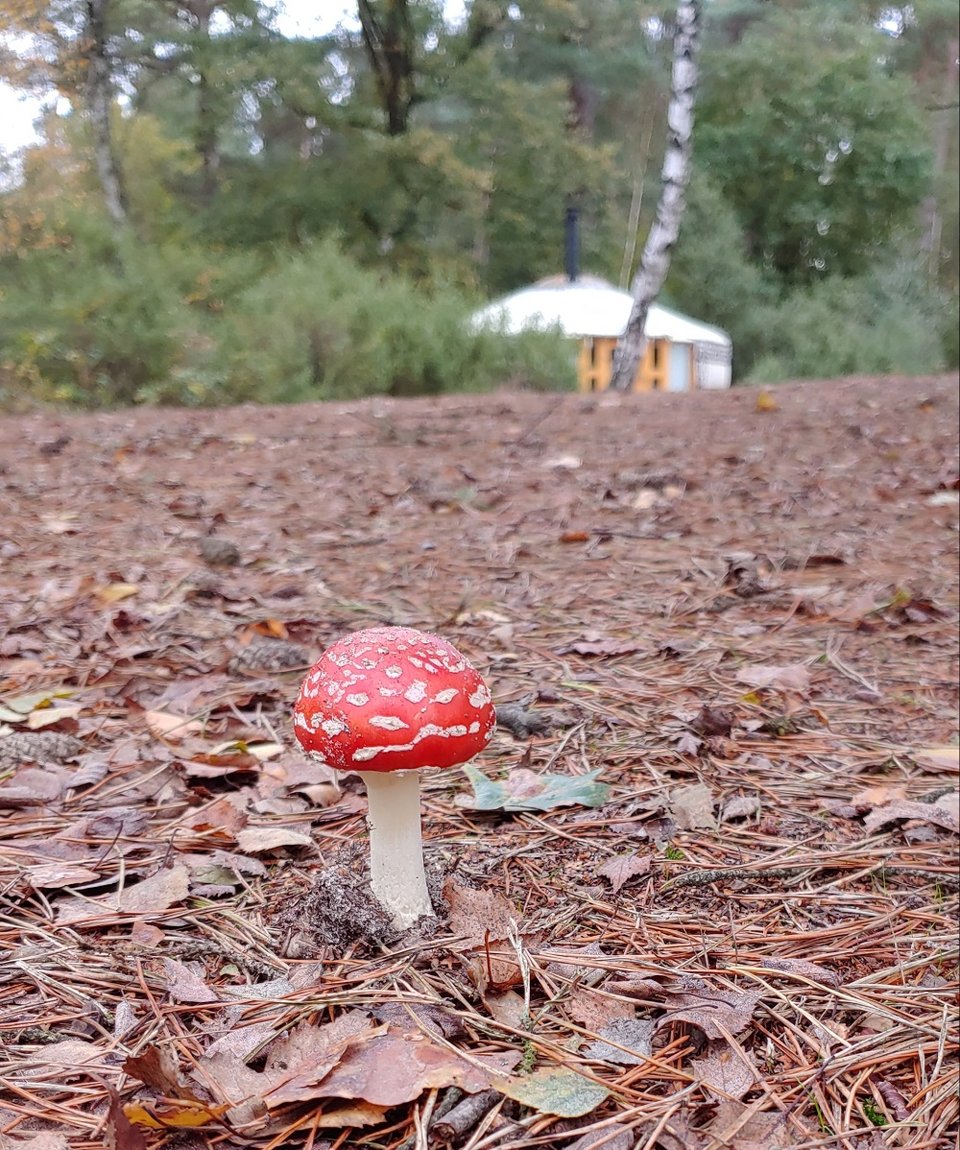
pixel 884 322
pixel 94 323
pixel 322 327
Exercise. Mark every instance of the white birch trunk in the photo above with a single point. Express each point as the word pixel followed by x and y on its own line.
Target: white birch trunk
pixel 655 261
pixel 99 100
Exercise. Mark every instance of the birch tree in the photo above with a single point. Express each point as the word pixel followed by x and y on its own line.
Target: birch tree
pixel 99 103
pixel 655 261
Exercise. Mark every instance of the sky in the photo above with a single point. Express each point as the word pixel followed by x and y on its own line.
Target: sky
pixel 294 18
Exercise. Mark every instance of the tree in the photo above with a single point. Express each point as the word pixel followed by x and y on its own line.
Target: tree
pixel 389 39
pixel 655 261
pixel 813 137
pixel 99 106
pixel 66 46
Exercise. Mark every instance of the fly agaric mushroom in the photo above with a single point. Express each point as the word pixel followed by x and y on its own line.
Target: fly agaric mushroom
pixel 385 702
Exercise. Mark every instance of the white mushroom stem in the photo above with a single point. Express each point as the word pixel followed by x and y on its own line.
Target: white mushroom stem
pixel 396 848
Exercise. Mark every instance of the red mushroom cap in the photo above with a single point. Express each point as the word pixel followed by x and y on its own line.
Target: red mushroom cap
pixel 393 699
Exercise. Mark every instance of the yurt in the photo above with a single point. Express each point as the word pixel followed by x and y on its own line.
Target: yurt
pixel 682 354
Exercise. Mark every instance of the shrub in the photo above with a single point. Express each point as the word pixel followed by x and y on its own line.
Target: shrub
pixel 883 322
pixel 319 326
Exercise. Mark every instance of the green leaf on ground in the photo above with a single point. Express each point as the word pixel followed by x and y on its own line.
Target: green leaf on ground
pixel 524 790
pixel 554 1090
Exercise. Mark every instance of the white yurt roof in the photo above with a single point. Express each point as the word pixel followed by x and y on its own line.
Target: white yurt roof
pixel 588 306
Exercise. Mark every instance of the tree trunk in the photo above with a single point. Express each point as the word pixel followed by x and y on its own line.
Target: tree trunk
pixel 944 137
pixel 655 261
pixel 207 141
pixel 389 42
pixel 99 102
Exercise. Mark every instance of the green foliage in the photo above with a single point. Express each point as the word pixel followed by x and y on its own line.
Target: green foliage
pixel 887 320
pixel 873 1113
pixel 813 140
pixel 322 327
pixel 712 276
pixel 96 326
pixel 554 791
pixel 90 325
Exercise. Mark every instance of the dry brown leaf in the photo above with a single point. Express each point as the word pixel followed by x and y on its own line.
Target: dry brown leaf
pixel 34 785
pixel 576 970
pixel 622 868
pixel 612 1136
pixel 119 1133
pixel 185 984
pixel 740 807
pixel 257 840
pixel 157 1066
pixel 623 1041
pixel 854 609
pixel 152 896
pixel 383 1065
pixel 805 969
pixel 223 815
pixel 494 968
pixel 941 758
pixel 725 1070
pixel 52 876
pixel 295 1064
pixel 507 1007
pixel 594 1010
pixel 636 986
pixel 76 1055
pixel 602 648
pixel 42 1140
pixel 942 813
pixel 429 1016
pixel 715 1012
pixel 50 716
pixel 205 765
pixel 692 807
pixel 353 1117
pixel 477 915
pixel 794 677
pixel 396 1067
pixel 170 727
pixel 173 1113
pixel 115 592
pixel 740 1124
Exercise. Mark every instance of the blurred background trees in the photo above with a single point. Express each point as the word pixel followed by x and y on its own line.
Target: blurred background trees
pixel 217 208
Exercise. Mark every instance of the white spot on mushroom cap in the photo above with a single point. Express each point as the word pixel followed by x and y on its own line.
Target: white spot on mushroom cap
pixel 393 672
pixel 479 696
pixel 331 727
pixel 416 692
pixel 447 695
pixel 388 722
pixel 358 700
pixel 456 731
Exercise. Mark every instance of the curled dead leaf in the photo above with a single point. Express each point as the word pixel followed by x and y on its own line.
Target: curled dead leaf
pixel 622 868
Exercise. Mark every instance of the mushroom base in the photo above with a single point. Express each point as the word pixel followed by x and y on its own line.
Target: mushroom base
pixel 397 877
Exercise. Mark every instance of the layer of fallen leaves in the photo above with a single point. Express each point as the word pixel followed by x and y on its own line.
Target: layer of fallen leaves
pixel 700 891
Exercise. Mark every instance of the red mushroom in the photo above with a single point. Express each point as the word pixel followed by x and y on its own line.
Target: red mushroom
pixel 385 702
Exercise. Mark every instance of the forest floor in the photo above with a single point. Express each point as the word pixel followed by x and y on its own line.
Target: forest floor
pixel 703 895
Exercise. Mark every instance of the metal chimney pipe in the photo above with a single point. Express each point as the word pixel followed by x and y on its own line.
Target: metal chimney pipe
pixel 571 246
